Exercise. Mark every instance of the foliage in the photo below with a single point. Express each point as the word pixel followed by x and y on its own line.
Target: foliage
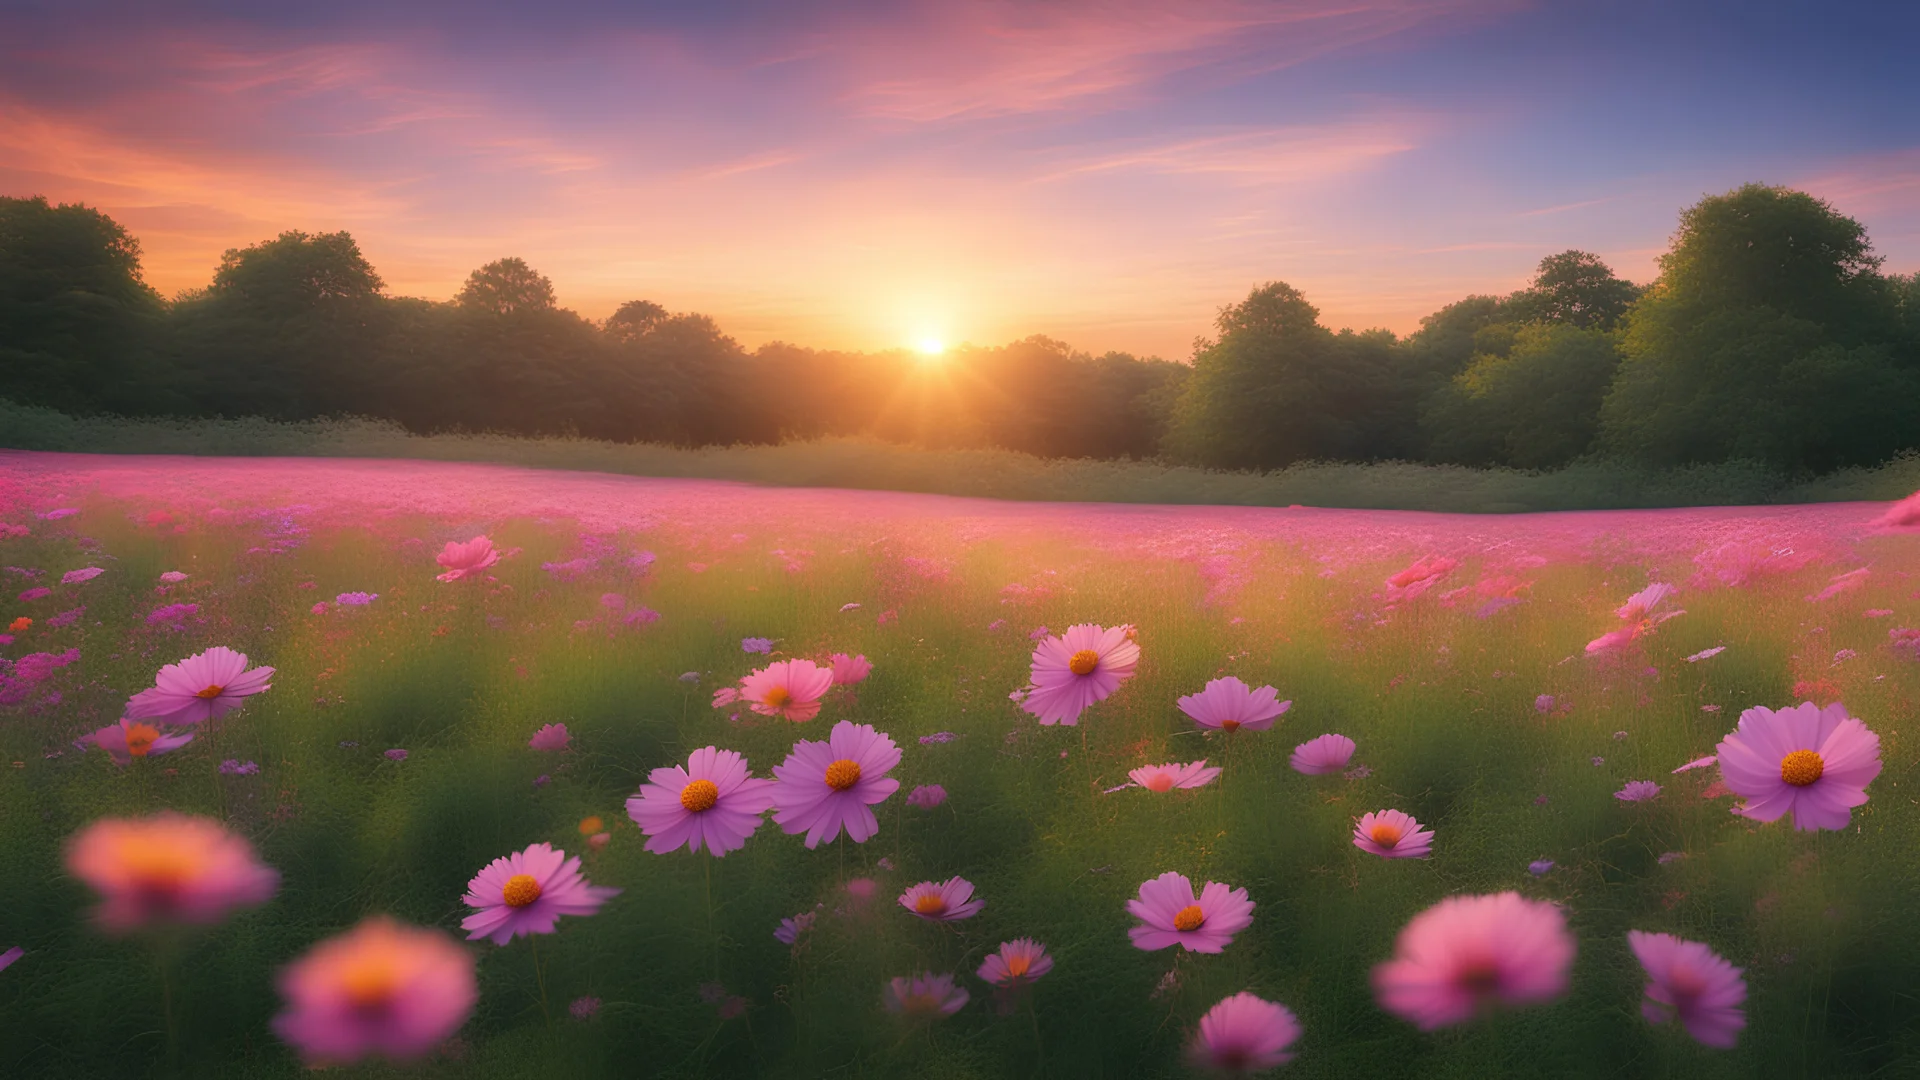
pixel 1530 400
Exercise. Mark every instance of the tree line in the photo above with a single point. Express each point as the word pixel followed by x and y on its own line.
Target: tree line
pixel 1770 335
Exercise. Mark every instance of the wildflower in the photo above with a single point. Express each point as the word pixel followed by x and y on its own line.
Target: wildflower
pixel 1171 914
pixel 825 786
pixel 1391 834
pixel 849 607
pixel 168 868
pixel 1326 754
pixel 550 737
pixel 1016 963
pixel 173 577
pixel 466 560
pixel 76 577
pixel 1539 867
pixel 584 1008
pixel 1599 761
pixel 714 801
pixel 31 595
pixel 1073 671
pixel 1697 763
pixel 1469 952
pixel 1706 654
pixel 927 796
pixel 1815 763
pixel 848 670
pixel 1637 791
pixel 861 889
pixel 942 901
pixel 395 754
pixel 1227 704
pixel 689 677
pixel 1244 1034
pixel 1690 982
pixel 756 645
pixel 318 609
pixel 20 625
pixel 236 767
pixel 174 615
pixel 937 737
pixel 1877 612
pixel 7 958
pixel 1416 579
pixel 204 686
pixel 1670 856
pixel 542 780
pixel 128 739
pixel 791 929
pixel 381 989
pixel 790 689
pixel 527 892
pixel 725 696
pixel 1172 775
pixel 1543 704
pixel 67 618
pixel 924 996
pixel 355 599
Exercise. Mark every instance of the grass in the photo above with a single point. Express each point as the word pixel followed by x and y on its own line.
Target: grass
pixel 1441 702
pixel 1001 474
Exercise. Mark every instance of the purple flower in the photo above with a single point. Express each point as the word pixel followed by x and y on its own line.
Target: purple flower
pixel 1669 856
pixel 584 1008
pixel 1539 867
pixel 1543 704
pixel 34 594
pixel 173 615
pixel 550 737
pixel 1599 761
pixel 7 958
pixel 791 929
pixel 690 677
pixel 355 599
pixel 234 767
pixel 66 618
pixel 396 755
pixel 937 737
pixel 542 780
pixel 75 577
pixel 1637 791
pixel 927 796
pixel 1037 633
pixel 56 515
pixel 763 646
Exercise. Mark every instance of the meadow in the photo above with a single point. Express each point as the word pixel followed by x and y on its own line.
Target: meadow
pixel 1495 677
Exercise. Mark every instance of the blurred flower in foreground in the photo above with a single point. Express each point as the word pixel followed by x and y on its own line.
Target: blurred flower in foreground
pixel 1811 762
pixel 942 901
pixel 527 892
pixel 173 577
pixel 1244 1034
pixel 1019 961
pixel 1690 982
pixel 1228 704
pixel 1318 757
pixel 466 560
pixel 848 670
pixel 381 989
pixel 168 868
pixel 825 786
pixel 131 739
pixel 204 686
pixel 790 689
pixel 927 796
pixel 1392 834
pixel 1170 914
pixel 1162 778
pixel 1082 666
pixel 924 996
pixel 713 802
pixel 550 737
pixel 1466 953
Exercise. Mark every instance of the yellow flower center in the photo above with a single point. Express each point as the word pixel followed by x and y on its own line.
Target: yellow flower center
pixel 1385 834
pixel 843 774
pixel 210 693
pixel 1802 767
pixel 1018 964
pixel 930 904
pixel 920 1004
pixel 591 825
pixel 1084 662
pixel 1189 918
pixel 1478 977
pixel 1229 725
pixel 778 697
pixel 157 869
pixel 699 795
pixel 1160 782
pixel 140 738
pixel 520 891
pixel 369 983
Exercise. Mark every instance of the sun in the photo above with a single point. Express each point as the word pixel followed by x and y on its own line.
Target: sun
pixel 930 347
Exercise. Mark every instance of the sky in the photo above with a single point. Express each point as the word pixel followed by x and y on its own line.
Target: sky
pixel 858 174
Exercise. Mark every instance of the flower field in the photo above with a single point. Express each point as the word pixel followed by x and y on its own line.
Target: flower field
pixel 460 770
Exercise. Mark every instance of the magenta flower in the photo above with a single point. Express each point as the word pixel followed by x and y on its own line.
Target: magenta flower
pixel 760 645
pixel 942 901
pixel 129 739
pixel 1416 579
pixel 550 737
pixel 1080 667
pixel 173 577
pixel 1174 775
pixel 1391 834
pixel 356 599
pixel 34 594
pixel 167 868
pixel 1170 914
pixel 714 801
pixel 1017 962
pixel 1326 754
pixel 584 1008
pixel 848 670
pixel 1544 703
pixel 7 958
pixel 1814 763
pixel 790 689
pixel 466 560
pixel 923 997
pixel 1466 953
pixel 1244 1034
pixel 1637 791
pixel 381 989
pixel 75 577
pixel 791 929
pixel 927 796
pixel 204 686
pixel 1690 982
pixel 1227 704
pixel 1642 603
pixel 527 892
pixel 825 786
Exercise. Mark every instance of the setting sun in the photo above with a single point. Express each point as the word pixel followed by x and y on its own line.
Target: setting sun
pixel 930 346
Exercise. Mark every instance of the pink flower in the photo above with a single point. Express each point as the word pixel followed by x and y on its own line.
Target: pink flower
pixel 1698 763
pixel 1688 981
pixel 1392 834
pixel 173 577
pixel 924 996
pixel 204 686
pixel 131 739
pixel 1637 791
pixel 942 901
pixel 1080 667
pixel 1642 603
pixel 1244 1034
pixel 1468 952
pixel 550 737
pixel 1019 961
pixel 848 670
pixel 790 689
pixel 7 958
pixel 1173 775
pixel 167 868
pixel 380 989
pixel 927 796
pixel 584 1008
pixel 714 800
pixel 791 929
pixel 318 609
pixel 1326 754
pixel 1424 574
pixel 75 577
pixel 861 889
pixel 1904 514
pixel 1229 705
pixel 34 594
pixel 825 786
pixel 1815 763
pixel 466 560
pixel 527 892
pixel 1706 654
pixel 725 696
pixel 1170 914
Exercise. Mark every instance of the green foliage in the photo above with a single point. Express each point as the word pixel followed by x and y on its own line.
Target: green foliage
pixel 1573 288
pixel 1534 403
pixel 296 273
pixel 506 287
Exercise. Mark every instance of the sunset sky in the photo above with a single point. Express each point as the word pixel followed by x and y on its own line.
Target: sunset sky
pixel 865 174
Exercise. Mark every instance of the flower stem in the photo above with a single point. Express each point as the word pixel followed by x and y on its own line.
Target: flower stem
pixel 540 978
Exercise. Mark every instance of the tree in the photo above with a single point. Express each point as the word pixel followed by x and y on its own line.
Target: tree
pixel 1534 404
pixel 505 287
pixel 296 272
pixel 634 318
pixel 1574 288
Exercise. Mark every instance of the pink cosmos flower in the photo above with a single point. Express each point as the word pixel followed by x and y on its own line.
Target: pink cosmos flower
pixel 168 868
pixel 1391 834
pixel 1326 754
pixel 1637 791
pixel 942 901
pixel 204 686
pixel 1244 1034
pixel 1078 668
pixel 923 997
pixel 526 893
pixel 1815 763
pixel 848 670
pixel 1468 952
pixel 1229 705
pixel 1017 962
pixel 790 689
pixel 381 989
pixel 1642 603
pixel 725 696
pixel 927 796
pixel 1690 982
pixel 1173 775
pixel 825 786
pixel 466 560
pixel 131 739
pixel 1416 579
pixel 550 737
pixel 7 958
pixel 1170 914
pixel 714 800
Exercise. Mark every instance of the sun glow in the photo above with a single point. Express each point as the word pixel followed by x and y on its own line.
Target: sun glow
pixel 930 347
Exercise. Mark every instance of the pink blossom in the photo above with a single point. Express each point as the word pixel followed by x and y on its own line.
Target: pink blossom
pixel 1326 754
pixel 173 577
pixel 1170 914
pixel 1227 704
pixel 826 786
pixel 713 800
pixel 466 560
pixel 1244 1034
pixel 204 686
pixel 128 739
pixel 1392 834
pixel 168 868
pixel 1637 791
pixel 550 737
pixel 381 989
pixel 1083 666
pixel 1900 516
pixel 1172 775
pixel 34 594
pixel 526 893
pixel 923 997
pixel 1416 579
pixel 725 696
pixel 848 670
pixel 1016 962
pixel 1466 953
pixel 927 796
pixel 942 901
pixel 1811 762
pixel 76 577
pixel 790 689
pixel 1690 982
pixel 790 930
